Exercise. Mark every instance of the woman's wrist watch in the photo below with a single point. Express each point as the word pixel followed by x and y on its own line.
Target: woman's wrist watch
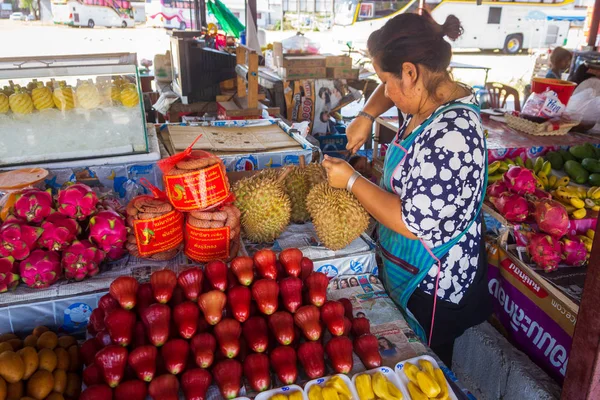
pixel 366 115
pixel 353 178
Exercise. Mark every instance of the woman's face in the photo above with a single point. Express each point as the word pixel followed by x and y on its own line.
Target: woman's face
pixel 383 343
pixel 406 93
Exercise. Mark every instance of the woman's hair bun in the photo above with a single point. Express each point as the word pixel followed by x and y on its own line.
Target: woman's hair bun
pixel 452 28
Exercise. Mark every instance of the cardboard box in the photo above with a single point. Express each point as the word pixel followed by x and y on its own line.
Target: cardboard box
pixel 342 73
pixel 303 61
pixel 539 319
pixel 295 73
pixel 332 61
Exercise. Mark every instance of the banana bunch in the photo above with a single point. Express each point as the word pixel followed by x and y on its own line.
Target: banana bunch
pixel 297 395
pixel 426 382
pixel 335 389
pixel 497 169
pixel 376 387
pixel 577 200
pixel 588 240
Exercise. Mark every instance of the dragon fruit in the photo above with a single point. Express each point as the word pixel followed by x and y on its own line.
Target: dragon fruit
pixel 59 232
pixel 551 217
pixel 33 205
pixel 574 252
pixel 77 201
pixel 108 231
pixel 520 180
pixel 545 251
pixel 514 207
pixel 8 278
pixel 17 239
pixel 81 259
pixel 41 269
pixel 496 189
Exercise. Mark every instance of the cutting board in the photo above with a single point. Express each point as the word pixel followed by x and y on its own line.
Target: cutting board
pixel 232 139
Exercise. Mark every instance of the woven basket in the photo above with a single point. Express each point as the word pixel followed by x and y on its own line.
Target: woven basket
pixel 543 129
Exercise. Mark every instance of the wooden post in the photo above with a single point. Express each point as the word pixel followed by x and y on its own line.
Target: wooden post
pixel 240 58
pixel 252 80
pixel 594 24
pixel 582 381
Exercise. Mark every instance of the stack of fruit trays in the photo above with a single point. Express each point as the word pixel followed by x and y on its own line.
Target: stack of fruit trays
pixel 256 317
pixel 46 238
pixel 550 242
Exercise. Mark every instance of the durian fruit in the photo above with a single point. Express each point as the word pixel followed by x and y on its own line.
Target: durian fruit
pixel 337 215
pixel 87 96
pixel 20 102
pixel 129 96
pixel 315 174
pixel 297 187
pixel 4 106
pixel 265 207
pixel 42 97
pixel 63 97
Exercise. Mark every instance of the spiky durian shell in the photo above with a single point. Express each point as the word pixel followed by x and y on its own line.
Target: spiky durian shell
pixel 265 207
pixel 297 187
pixel 337 215
pixel 315 174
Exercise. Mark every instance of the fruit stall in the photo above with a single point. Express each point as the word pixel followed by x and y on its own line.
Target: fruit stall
pixel 134 266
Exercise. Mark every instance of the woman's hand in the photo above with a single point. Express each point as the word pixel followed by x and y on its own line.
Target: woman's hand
pixel 358 132
pixel 338 171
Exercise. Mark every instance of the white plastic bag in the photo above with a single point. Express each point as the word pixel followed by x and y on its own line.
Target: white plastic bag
pixel 299 44
pixel 586 103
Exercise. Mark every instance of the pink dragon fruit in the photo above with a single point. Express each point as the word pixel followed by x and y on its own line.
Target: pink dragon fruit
pixel 41 269
pixel 17 239
pixel 8 278
pixel 108 231
pixel 574 252
pixel 551 217
pixel 81 259
pixel 520 180
pixel 33 205
pixel 545 251
pixel 59 232
pixel 496 189
pixel 514 207
pixel 77 201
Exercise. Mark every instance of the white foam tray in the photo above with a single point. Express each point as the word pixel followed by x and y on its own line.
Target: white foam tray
pixel 267 394
pixel 322 381
pixel 389 374
pixel 404 379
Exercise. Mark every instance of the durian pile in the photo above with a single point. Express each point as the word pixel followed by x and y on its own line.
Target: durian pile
pixel 86 95
pixel 271 199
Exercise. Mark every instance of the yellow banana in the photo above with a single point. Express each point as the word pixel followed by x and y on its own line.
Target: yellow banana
pixel 552 181
pixel 596 208
pixel 579 214
pixel 545 182
pixel 590 192
pixel 587 242
pixel 493 167
pixel 519 161
pixel 590 233
pixel 538 164
pixel 547 167
pixel 509 162
pixel 577 203
pixel 503 167
pixel 542 174
pixel 581 191
pixel 596 194
pixel 564 181
pixel 566 194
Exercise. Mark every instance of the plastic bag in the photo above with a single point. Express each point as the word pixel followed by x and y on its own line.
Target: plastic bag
pixel 195 180
pixel 585 103
pixel 299 44
pixel 544 104
pixel 156 227
pixel 213 234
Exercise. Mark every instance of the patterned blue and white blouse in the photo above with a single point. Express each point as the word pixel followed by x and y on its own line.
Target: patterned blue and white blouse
pixel 440 184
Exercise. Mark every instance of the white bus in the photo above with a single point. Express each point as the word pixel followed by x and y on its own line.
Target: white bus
pixel 91 13
pixel 170 14
pixel 507 25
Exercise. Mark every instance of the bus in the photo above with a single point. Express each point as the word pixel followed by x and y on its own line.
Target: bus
pixel 91 13
pixel 170 14
pixel 507 25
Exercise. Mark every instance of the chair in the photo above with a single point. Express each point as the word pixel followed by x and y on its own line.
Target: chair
pixel 499 93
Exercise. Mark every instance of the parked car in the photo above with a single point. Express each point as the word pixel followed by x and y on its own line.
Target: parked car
pixel 30 17
pixel 17 16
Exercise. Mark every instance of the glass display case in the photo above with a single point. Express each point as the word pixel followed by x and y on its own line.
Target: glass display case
pixel 69 108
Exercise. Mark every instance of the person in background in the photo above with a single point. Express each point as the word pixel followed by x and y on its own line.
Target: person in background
pixel 560 59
